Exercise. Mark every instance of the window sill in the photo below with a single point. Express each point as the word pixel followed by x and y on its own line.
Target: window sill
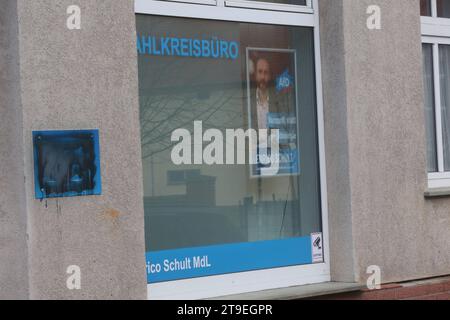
pixel 298 292
pixel 437 193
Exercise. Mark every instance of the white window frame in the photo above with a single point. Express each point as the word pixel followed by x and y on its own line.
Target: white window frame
pixel 204 2
pixel 270 6
pixel 253 5
pixel 260 12
pixel 200 9
pixel 436 31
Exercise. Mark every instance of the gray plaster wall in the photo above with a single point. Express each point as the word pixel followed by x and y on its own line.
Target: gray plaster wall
pixel 13 226
pixel 336 140
pixel 393 225
pixel 83 79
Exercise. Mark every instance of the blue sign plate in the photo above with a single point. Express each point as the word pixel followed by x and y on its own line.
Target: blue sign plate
pixel 66 163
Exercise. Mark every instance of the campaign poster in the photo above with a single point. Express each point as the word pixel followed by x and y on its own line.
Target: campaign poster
pixel 272 104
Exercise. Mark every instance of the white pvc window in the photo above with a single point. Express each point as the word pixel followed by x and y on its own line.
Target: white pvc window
pixel 274 5
pixel 205 2
pixel 278 14
pixel 239 10
pixel 435 25
pixel 435 18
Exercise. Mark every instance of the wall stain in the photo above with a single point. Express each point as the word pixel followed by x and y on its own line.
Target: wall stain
pixel 111 219
pixel 112 213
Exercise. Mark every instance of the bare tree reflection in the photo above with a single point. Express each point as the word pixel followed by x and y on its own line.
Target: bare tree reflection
pixel 162 114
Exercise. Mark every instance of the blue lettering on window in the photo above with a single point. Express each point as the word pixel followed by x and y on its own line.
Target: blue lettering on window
pixel 186 47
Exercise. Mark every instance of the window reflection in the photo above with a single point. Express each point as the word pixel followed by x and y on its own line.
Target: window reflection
pixel 194 205
pixel 443 8
pixel 425 7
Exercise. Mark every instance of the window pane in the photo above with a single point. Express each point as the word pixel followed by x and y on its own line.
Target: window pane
pixel 444 62
pixel 187 74
pixel 425 7
pixel 443 8
pixel 429 107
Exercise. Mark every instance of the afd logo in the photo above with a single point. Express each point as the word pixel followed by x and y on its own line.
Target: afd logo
pixel 284 82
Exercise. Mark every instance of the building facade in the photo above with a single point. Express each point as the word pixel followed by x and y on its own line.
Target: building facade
pixel 120 158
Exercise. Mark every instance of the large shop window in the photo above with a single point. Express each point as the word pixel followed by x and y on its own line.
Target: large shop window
pixel 436 74
pixel 212 215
